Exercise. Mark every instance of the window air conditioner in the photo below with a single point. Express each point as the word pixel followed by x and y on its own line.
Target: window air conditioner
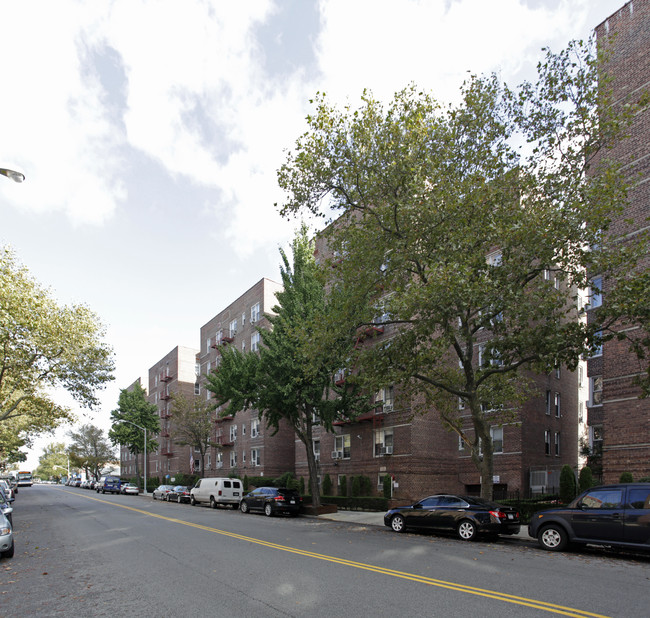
pixel 389 450
pixel 388 407
pixel 336 454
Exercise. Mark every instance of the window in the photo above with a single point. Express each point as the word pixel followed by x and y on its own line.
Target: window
pixel 243 346
pixel 597 345
pixel 383 442
pixel 496 433
pixel 233 433
pixel 461 443
pixel 556 405
pixel 207 344
pixel 547 442
pixel 548 403
pixel 243 457
pixel 255 342
pixel 557 372
pixel 596 292
pixel 233 459
pixel 209 462
pixel 342 446
pixel 384 397
pixel 316 447
pixel 255 312
pixel 243 429
pixel 218 337
pixel 243 319
pixel 255 457
pixel 581 375
pixel 197 388
pixel 557 443
pixel 233 328
pixel 602 499
pixel 494 258
pixel 461 403
pixel 596 391
pixel 639 498
pixel 255 428
pixel 219 460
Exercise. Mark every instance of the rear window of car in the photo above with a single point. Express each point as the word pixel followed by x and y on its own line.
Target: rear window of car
pixel 639 498
pixel 236 485
pixel 227 484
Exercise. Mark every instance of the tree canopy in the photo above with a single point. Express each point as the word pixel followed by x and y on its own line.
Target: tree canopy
pixel 90 450
pixel 44 346
pixel 290 381
pixel 471 228
pixel 53 463
pixel 192 424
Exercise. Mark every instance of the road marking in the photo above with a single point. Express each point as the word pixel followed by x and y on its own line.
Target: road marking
pixel 439 583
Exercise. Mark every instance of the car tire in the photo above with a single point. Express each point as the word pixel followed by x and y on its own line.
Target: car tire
pixel 553 538
pixel 243 507
pixel 397 523
pixel 9 553
pixel 153 495
pixel 178 499
pixel 466 530
pixel 192 500
pixel 213 503
pixel 268 510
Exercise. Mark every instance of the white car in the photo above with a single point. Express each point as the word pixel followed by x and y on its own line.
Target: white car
pixel 6 538
pixel 130 488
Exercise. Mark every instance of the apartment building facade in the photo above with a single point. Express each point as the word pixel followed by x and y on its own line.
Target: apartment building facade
pixel 619 420
pixel 244 445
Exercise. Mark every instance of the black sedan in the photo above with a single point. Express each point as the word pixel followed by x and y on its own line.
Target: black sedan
pixel 272 500
pixel 467 516
pixel 180 493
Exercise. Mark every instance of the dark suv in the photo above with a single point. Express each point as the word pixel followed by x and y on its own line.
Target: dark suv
pixel 615 515
pixel 272 500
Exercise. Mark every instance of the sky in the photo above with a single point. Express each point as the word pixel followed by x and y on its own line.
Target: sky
pixel 150 134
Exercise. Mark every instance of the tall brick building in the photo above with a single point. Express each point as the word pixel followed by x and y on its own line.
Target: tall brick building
pixel 619 420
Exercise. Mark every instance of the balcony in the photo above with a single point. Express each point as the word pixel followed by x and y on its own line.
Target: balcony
pixel 227 339
pixel 165 377
pixel 221 419
pixel 167 452
pixel 165 396
pixel 224 441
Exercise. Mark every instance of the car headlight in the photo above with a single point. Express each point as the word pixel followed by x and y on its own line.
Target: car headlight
pixel 4 531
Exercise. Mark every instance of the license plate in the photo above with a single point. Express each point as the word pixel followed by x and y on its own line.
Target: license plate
pixel 292 501
pixel 235 493
pixel 511 516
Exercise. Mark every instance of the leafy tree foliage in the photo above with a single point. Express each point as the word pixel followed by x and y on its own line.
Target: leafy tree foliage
pixel 567 484
pixel 290 381
pixel 134 409
pixel 192 423
pixel 90 450
pixel 43 346
pixel 471 228
pixel 585 479
pixel 53 463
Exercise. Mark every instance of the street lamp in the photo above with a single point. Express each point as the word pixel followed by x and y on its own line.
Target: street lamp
pixel 145 448
pixel 15 176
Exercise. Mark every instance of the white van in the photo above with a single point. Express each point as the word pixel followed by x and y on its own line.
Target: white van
pixel 217 491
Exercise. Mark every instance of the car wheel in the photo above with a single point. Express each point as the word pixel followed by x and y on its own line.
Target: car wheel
pixel 9 553
pixel 178 499
pixel 153 495
pixel 192 501
pixel 553 538
pixel 213 503
pixel 268 510
pixel 397 523
pixel 243 507
pixel 466 530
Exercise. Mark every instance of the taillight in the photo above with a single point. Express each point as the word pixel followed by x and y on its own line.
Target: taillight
pixel 219 492
pixel 279 499
pixel 498 514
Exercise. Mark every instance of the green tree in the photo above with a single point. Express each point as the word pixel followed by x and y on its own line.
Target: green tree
pixel 567 484
pixel 289 380
pixel 473 247
pixel 53 463
pixel 626 477
pixel 327 485
pixel 192 423
pixel 90 450
pixel 134 409
pixel 44 346
pixel 585 479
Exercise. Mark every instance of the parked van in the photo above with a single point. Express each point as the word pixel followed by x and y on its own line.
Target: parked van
pixel 217 491
pixel 108 483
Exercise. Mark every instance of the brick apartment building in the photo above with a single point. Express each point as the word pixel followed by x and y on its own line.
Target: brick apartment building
pixel 245 444
pixel 619 420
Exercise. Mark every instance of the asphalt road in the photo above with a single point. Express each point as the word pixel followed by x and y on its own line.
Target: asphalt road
pixel 83 554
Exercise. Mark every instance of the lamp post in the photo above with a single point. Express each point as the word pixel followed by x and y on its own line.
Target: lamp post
pixel 145 449
pixel 15 176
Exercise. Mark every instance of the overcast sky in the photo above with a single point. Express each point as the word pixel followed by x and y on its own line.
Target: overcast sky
pixel 150 134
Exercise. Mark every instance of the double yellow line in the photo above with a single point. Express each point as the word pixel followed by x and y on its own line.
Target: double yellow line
pixel 482 592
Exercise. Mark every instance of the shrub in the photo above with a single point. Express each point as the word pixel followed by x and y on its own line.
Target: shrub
pixel 288 480
pixel 365 485
pixel 585 479
pixel 626 477
pixel 301 486
pixel 343 487
pixel 245 482
pixel 327 486
pixel 567 484
pixel 644 479
pixel 356 486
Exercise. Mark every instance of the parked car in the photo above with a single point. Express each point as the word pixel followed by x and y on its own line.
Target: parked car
pixel 179 494
pixel 8 489
pixel 129 488
pixel 6 538
pixel 615 515
pixel 272 500
pixel 108 483
pixel 6 508
pixel 467 516
pixel 161 492
pixel 217 491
